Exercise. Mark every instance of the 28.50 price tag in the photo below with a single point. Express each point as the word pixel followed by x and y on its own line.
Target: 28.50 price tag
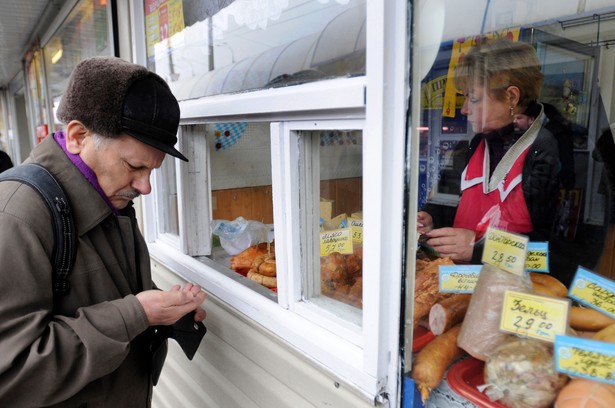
pixel 534 316
pixel 505 250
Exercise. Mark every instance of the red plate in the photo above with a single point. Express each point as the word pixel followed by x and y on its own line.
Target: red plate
pixel 463 378
pixel 420 338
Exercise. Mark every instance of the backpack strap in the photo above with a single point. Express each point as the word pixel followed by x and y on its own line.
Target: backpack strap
pixel 41 180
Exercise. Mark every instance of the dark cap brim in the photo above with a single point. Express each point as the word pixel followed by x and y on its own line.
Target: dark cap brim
pixel 157 144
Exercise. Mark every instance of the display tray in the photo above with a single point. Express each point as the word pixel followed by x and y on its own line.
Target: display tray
pixel 420 338
pixel 463 378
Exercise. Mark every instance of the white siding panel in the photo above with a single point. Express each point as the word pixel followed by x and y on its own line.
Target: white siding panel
pixel 241 365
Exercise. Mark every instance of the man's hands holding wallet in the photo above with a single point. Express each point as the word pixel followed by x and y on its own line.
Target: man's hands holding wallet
pixel 178 314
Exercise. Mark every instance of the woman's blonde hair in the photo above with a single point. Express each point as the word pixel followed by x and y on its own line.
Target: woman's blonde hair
pixel 498 65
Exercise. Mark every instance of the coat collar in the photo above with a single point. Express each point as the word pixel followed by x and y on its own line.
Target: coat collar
pixel 510 157
pixel 88 206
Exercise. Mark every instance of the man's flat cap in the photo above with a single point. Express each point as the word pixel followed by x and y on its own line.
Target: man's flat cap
pixel 111 96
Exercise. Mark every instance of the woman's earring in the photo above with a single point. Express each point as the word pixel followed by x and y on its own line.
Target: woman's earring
pixel 512 111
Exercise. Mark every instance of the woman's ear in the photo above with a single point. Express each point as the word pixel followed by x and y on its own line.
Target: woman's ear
pixel 76 132
pixel 514 95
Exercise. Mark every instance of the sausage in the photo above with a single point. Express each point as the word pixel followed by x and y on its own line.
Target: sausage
pixel 431 362
pixel 426 288
pixel 448 312
pixel 588 319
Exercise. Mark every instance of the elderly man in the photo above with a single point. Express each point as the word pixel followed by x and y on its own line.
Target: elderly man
pixel 98 345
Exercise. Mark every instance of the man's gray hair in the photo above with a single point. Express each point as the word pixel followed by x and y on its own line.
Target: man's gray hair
pixel 99 140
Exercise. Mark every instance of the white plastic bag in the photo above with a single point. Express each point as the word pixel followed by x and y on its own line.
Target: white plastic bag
pixel 240 234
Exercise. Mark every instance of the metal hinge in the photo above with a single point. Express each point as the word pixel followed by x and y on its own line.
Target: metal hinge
pixel 382 399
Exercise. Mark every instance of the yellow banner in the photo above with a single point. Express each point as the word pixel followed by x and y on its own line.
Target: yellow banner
pixel 163 18
pixel 460 49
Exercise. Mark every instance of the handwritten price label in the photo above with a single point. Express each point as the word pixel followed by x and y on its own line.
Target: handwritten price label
pixel 458 278
pixel 594 291
pixel 505 250
pixel 356 226
pixel 534 316
pixel 537 259
pixel 587 358
pixel 336 241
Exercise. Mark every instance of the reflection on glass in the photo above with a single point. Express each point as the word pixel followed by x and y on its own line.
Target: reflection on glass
pixel 337 166
pixel 564 107
pixel 573 42
pixel 242 202
pixel 38 97
pixel 4 139
pixel 83 34
pixel 206 48
pixel 167 196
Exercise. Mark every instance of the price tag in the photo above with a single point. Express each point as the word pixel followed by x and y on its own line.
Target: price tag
pixel 336 241
pixel 534 316
pixel 356 227
pixel 505 250
pixel 459 278
pixel 537 259
pixel 586 358
pixel 594 291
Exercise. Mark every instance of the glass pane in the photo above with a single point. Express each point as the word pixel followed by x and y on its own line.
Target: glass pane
pixel 37 96
pixel 242 202
pixel 502 146
pixel 167 198
pixel 4 137
pixel 573 224
pixel 335 166
pixel 206 47
pixel 84 34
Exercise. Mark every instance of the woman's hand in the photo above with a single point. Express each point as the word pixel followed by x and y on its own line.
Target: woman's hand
pixel 456 243
pixel 424 222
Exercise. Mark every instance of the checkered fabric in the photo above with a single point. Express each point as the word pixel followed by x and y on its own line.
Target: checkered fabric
pixel 227 134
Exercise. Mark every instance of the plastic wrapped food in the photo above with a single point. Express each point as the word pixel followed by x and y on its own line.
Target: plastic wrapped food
pixel 480 332
pixel 520 373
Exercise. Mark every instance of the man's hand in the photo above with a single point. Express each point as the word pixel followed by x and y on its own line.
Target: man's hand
pixel 165 308
pixel 456 243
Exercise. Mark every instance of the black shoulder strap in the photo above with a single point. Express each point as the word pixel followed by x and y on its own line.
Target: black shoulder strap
pixel 41 180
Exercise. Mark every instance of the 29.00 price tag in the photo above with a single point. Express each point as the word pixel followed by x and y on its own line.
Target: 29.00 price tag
pixel 534 316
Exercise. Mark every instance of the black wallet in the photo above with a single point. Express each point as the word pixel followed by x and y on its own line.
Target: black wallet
pixel 188 334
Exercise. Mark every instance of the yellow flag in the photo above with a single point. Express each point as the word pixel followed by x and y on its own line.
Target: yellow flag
pixel 460 49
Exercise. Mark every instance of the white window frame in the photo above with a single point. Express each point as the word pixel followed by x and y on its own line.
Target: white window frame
pixel 294 245
pixel 367 358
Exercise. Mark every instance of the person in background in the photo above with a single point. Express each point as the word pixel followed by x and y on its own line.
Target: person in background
pixel 523 121
pixel 562 130
pixel 5 161
pixel 510 180
pixel 97 345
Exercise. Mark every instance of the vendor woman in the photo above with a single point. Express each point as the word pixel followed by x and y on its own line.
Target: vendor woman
pixel 510 180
